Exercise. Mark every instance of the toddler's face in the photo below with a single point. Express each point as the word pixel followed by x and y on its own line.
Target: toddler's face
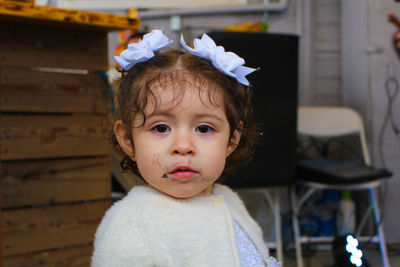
pixel 182 147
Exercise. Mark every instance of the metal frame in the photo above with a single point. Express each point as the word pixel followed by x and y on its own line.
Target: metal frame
pixel 297 203
pixel 330 122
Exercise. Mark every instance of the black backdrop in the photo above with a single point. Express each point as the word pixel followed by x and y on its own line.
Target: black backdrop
pixel 275 88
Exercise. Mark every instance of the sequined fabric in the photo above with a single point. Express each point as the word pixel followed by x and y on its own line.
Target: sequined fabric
pixel 248 253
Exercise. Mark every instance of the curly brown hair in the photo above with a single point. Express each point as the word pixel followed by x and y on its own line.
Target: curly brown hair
pixel 180 68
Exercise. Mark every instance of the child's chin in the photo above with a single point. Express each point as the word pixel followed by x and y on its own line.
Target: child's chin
pixel 184 195
pixel 181 195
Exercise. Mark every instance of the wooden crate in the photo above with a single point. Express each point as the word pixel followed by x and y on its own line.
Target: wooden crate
pixel 77 256
pixel 39 182
pixel 54 141
pixel 56 226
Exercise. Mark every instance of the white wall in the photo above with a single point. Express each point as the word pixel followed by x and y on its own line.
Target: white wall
pixel 326 53
pixel 368 61
pixel 196 24
pixel 381 57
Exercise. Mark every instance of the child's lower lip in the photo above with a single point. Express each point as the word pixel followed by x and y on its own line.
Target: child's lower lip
pixel 183 175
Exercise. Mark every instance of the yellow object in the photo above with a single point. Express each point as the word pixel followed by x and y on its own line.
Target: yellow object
pixel 133 13
pixel 19 1
pixel 28 12
pixel 257 26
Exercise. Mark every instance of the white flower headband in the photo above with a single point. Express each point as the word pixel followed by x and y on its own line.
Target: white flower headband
pixel 143 50
pixel 227 62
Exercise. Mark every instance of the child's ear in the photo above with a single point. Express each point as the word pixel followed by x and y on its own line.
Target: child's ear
pixel 123 138
pixel 234 142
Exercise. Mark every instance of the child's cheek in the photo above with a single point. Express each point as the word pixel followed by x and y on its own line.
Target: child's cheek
pixel 156 159
pixel 215 165
pixel 149 164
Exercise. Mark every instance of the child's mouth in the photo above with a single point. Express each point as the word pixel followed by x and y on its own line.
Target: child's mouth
pixel 182 173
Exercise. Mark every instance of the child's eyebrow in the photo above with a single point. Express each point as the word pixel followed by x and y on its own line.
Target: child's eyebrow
pixel 160 113
pixel 209 115
pixel 168 114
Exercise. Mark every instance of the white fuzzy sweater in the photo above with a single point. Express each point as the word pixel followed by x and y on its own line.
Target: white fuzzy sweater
pixel 149 228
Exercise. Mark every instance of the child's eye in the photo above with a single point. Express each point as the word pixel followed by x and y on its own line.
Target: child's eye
pixel 204 129
pixel 161 128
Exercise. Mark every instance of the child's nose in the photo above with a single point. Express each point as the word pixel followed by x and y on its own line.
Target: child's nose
pixel 183 144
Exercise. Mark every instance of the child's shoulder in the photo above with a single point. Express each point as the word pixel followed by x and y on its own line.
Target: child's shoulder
pixel 127 212
pixel 120 231
pixel 131 205
pixel 228 194
pixel 223 189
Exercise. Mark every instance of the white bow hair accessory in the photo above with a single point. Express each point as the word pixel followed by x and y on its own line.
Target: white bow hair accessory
pixel 226 62
pixel 143 50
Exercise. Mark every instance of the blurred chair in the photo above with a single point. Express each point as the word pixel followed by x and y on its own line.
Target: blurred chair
pixel 325 173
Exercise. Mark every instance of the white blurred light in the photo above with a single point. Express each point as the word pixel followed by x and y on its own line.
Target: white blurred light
pixel 355 253
pixel 358 253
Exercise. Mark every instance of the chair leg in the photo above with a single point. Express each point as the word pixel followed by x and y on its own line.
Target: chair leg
pixel 296 228
pixel 381 236
pixel 278 230
pixel 274 204
pixel 364 220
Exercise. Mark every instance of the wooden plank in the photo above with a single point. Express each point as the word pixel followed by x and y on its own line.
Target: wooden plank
pixel 328 86
pixel 329 100
pixel 327 32
pixel 55 181
pixel 327 2
pixel 327 67
pixel 26 90
pixel 28 13
pixel 37 229
pixel 41 136
pixel 155 4
pixel 1 212
pixel 68 257
pixel 1 215
pixel 332 47
pixel 24 1
pixel 40 46
pixel 327 13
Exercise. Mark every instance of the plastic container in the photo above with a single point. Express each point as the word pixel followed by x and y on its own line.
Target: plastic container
pixel 346 218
